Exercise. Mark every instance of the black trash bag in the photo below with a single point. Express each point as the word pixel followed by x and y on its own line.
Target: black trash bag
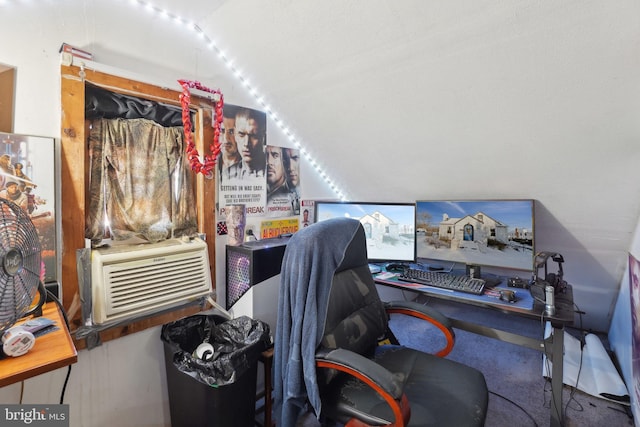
pixel 237 346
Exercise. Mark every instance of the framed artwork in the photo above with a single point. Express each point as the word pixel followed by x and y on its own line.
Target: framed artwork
pixel 28 178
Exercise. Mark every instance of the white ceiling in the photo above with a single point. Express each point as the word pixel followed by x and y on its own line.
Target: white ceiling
pixel 403 100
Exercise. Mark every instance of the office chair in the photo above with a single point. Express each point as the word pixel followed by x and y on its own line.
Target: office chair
pixel 329 359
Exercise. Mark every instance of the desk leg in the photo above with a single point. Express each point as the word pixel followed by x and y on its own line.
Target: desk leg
pixel 557 357
pixel 267 359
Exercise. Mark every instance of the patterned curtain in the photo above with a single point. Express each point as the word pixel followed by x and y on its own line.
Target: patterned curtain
pixel 140 182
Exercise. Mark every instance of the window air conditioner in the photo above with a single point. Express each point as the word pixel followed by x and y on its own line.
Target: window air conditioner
pixel 130 281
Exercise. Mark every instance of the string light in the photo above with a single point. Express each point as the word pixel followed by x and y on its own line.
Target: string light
pixel 259 99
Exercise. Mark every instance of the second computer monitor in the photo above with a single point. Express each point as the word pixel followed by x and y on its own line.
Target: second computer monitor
pixel 496 233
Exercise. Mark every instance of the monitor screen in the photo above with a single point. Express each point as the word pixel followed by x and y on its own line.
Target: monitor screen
pixel 494 233
pixel 390 227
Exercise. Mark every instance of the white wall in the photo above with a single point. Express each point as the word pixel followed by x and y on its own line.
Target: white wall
pixel 399 101
pixel 469 99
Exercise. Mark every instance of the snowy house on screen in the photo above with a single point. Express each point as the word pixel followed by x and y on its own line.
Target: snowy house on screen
pixel 472 231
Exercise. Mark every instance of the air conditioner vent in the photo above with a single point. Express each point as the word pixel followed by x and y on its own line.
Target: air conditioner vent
pixel 127 283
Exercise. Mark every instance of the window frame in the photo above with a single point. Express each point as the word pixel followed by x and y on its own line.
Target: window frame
pixel 75 174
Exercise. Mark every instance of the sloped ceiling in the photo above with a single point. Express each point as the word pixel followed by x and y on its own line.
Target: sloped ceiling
pixel 421 99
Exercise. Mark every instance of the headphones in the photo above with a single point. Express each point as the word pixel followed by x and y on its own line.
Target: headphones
pixel 556 280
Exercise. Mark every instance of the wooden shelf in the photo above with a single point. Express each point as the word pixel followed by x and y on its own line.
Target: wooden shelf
pixel 51 351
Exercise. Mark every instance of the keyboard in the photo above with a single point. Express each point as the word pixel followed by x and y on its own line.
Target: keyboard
pixel 442 280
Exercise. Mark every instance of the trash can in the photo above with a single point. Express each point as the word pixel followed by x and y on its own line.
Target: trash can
pixel 215 389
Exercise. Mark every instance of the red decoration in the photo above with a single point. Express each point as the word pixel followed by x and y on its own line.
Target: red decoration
pixel 205 168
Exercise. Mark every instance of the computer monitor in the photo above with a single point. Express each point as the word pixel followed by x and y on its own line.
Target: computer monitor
pixel 390 227
pixel 493 233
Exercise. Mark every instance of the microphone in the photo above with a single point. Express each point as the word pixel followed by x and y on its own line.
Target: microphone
pixel 549 304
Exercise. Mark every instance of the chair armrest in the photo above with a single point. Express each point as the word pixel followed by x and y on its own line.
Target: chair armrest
pixel 362 368
pixel 431 315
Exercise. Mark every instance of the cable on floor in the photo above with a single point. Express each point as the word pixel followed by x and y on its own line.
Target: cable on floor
pixel 516 405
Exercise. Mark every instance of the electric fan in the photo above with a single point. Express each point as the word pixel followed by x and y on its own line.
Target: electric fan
pixel 21 266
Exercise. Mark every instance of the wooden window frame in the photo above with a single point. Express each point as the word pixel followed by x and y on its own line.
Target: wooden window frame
pixel 7 97
pixel 75 175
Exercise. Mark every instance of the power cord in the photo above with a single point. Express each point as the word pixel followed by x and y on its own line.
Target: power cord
pixel 582 344
pixel 516 405
pixel 51 296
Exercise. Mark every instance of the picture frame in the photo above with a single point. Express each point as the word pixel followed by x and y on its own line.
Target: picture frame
pixel 30 162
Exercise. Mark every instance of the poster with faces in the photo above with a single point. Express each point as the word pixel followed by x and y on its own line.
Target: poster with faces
pixel 283 179
pixel 241 165
pixel 260 179
pixel 28 179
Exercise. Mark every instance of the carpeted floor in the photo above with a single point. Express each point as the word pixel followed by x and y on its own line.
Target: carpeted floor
pixel 519 395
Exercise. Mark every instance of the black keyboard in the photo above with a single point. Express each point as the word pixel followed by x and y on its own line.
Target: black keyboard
pixel 442 280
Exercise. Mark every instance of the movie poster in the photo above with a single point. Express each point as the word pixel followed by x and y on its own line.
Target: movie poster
pixel 27 178
pixel 307 213
pixel 241 166
pixel 634 284
pixel 283 180
pixel 278 227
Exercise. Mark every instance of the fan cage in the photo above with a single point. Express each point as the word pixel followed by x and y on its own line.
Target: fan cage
pixel 21 263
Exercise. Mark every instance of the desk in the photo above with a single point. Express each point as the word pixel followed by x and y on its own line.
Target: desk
pixel 526 307
pixel 51 351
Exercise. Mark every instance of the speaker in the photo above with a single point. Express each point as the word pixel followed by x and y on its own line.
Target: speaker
pixel 252 263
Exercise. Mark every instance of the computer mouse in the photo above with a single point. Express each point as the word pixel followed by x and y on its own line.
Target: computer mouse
pixel 508 295
pixel 395 267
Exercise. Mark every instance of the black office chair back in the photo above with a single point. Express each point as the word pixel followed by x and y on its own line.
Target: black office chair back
pixel 357 319
pixel 329 302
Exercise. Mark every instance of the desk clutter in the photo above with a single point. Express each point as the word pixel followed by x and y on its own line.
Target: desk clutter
pixel 53 347
pixel 19 339
pixel 542 288
pixel 451 285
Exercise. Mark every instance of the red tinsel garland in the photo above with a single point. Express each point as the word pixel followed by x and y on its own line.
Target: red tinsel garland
pixel 192 153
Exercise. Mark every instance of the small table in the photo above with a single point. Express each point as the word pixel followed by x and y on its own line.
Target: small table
pixel 51 351
pixel 552 346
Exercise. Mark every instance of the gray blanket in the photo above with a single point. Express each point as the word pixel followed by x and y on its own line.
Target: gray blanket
pixel 312 256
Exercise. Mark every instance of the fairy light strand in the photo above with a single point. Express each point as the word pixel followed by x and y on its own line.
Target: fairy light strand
pixel 201 36
pixel 249 87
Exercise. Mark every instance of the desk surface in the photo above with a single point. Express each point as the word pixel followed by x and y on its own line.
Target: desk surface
pixel 524 306
pixel 51 351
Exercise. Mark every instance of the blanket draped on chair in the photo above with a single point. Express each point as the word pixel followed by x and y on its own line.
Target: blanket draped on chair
pixel 308 266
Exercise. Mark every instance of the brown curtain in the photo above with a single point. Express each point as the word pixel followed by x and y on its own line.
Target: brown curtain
pixel 140 182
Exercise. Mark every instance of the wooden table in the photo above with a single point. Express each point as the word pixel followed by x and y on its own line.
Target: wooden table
pixel 51 351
